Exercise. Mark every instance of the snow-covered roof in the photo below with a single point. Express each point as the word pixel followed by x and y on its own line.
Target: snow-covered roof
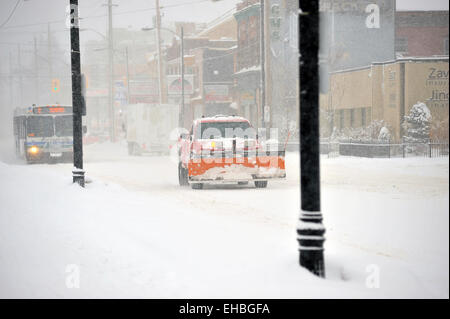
pixel 401 59
pixel 254 68
pixel 221 118
pixel 244 9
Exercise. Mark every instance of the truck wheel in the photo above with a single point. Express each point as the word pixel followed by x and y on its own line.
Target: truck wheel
pixel 133 149
pixel 197 186
pixel 130 148
pixel 261 184
pixel 182 175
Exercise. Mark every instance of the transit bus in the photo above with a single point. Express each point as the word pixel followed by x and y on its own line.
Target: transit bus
pixel 44 134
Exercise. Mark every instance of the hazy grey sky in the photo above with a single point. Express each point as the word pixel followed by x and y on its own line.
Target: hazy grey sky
pixel 422 4
pixel 31 16
pixel 136 13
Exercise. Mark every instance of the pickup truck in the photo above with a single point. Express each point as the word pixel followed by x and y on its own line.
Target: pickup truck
pixel 227 150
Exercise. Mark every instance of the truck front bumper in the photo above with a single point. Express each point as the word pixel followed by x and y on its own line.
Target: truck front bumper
pixel 235 170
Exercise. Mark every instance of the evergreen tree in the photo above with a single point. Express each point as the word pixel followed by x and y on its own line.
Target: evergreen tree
pixel 417 124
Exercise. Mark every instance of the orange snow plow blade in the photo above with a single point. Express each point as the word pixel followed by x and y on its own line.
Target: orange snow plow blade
pixel 221 168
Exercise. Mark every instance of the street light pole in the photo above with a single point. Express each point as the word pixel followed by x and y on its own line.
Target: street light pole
pixel 77 103
pixel 263 62
pixel 128 76
pixel 181 37
pixel 158 45
pixel 19 66
pixel 36 72
pixel 310 230
pixel 49 52
pixel 181 121
pixel 11 87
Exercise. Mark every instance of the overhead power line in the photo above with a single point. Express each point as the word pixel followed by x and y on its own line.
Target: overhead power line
pixel 105 15
pixel 10 15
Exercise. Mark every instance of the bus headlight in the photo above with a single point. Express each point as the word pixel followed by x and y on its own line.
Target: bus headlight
pixel 33 149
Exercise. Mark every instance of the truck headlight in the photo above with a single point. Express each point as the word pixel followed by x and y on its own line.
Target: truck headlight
pixel 33 149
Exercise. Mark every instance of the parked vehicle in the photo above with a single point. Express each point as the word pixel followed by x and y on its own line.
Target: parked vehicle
pixel 149 127
pixel 227 150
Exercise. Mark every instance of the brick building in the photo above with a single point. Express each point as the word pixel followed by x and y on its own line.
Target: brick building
pixel 421 33
pixel 214 80
pixel 247 76
pixel 387 91
pixel 208 69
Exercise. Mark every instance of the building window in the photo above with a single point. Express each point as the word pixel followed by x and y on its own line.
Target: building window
pixel 363 117
pixel 243 32
pixel 341 119
pixel 401 45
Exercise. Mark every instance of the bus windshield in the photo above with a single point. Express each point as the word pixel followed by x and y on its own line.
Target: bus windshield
pixel 63 125
pixel 40 126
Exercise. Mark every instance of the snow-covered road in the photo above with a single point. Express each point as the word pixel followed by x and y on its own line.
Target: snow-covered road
pixel 133 232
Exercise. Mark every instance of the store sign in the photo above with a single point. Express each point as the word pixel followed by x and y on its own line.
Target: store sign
pixel 120 93
pixel 144 91
pixel 175 87
pixel 247 98
pixel 145 87
pixel 275 21
pixel 275 28
pixel 216 93
pixel 437 83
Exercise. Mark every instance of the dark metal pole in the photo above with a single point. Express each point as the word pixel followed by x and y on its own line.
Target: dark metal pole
pixel 77 104
pixel 310 230
pixel 182 111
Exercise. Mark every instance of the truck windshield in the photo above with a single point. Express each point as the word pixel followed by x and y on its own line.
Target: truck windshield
pixel 40 126
pixel 211 130
pixel 63 125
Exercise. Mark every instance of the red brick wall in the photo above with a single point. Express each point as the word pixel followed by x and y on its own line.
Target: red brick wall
pixel 424 41
pixel 425 32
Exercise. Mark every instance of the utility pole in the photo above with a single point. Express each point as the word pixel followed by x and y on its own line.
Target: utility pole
pixel 112 122
pixel 77 99
pixel 158 41
pixel 182 111
pixel 49 53
pixel 36 73
pixel 263 61
pixel 11 88
pixel 310 229
pixel 19 65
pixel 128 76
